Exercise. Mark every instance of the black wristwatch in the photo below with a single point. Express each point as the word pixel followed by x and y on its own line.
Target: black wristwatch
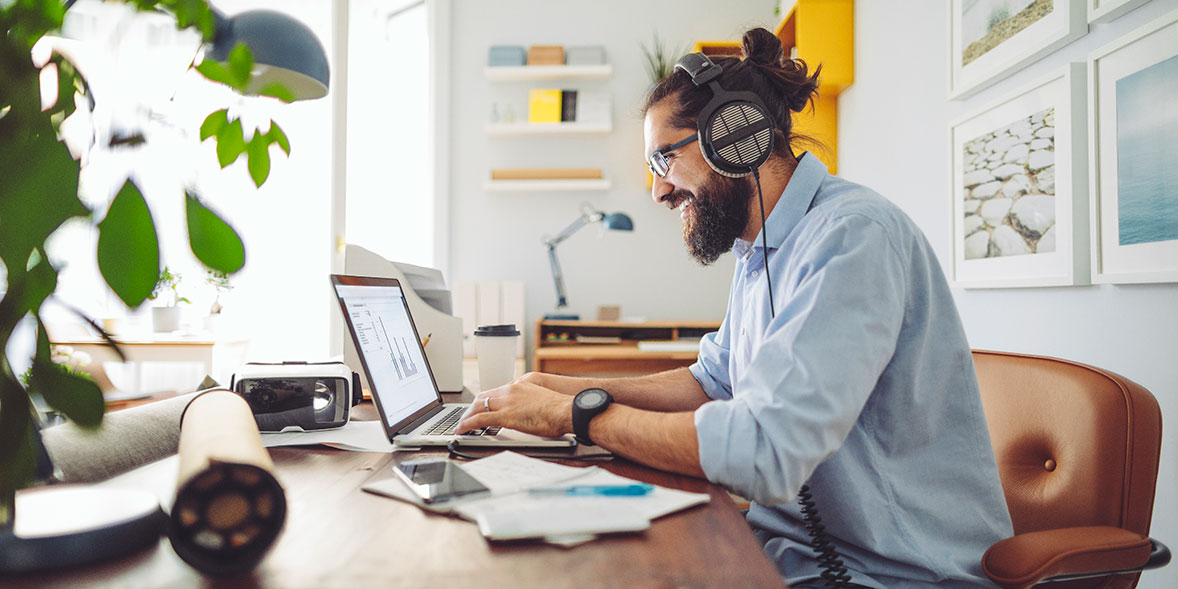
pixel 588 404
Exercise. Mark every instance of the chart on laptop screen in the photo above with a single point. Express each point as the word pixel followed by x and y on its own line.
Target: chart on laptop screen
pixel 386 341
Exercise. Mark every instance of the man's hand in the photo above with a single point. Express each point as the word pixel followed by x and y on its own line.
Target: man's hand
pixel 568 385
pixel 522 406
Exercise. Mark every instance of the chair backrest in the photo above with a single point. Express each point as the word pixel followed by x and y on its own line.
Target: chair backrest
pixel 1076 445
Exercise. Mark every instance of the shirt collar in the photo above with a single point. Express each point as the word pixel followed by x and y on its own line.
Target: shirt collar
pixel 793 205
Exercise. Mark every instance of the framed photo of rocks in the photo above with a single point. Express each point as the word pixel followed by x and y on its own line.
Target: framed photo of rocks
pixel 1020 212
pixel 1134 155
pixel 991 38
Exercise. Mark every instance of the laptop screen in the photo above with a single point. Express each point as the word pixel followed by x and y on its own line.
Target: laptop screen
pixel 387 342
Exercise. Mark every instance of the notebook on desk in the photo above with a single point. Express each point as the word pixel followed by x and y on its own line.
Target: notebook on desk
pixel 407 398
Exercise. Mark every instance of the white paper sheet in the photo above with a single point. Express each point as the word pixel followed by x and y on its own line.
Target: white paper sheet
pixel 509 475
pixel 360 436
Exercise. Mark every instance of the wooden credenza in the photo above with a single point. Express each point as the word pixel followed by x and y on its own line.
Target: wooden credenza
pixel 611 348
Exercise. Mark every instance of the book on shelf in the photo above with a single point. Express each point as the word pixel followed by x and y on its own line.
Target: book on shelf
pixel 546 55
pixel 677 345
pixel 544 105
pixel 568 106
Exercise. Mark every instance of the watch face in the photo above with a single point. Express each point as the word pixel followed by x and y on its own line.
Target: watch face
pixel 590 398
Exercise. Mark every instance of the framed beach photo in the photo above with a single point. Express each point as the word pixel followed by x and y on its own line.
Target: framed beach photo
pixel 991 38
pixel 1019 186
pixel 1133 110
pixel 1107 10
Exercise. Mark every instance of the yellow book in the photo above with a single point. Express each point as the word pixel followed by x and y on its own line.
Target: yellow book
pixel 544 106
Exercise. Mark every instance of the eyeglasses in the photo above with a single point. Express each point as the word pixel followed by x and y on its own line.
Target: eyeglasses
pixel 659 164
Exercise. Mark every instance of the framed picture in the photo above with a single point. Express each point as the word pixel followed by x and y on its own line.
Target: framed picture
pixel 1020 216
pixel 990 38
pixel 1134 155
pixel 1106 10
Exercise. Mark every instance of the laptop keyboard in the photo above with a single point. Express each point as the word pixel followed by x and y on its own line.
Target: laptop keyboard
pixel 446 425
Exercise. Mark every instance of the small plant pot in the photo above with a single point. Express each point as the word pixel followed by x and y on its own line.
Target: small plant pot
pixel 165 319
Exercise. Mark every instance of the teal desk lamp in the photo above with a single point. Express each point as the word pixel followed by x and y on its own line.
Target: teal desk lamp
pixel 285 51
pixel 612 221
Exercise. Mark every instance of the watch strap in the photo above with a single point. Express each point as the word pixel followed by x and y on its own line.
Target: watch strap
pixel 582 416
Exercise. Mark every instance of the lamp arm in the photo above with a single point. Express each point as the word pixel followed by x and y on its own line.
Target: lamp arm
pixel 589 215
pixel 557 277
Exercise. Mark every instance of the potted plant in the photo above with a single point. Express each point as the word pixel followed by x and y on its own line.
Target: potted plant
pixel 166 318
pixel 660 61
pixel 219 281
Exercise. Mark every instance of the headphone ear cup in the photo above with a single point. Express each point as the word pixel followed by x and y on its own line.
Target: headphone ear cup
pixel 736 137
pixel 711 164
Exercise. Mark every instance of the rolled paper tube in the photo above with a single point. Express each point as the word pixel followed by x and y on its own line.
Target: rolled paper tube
pixel 229 508
pixel 126 440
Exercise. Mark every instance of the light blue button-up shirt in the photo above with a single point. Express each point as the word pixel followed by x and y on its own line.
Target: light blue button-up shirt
pixel 862 386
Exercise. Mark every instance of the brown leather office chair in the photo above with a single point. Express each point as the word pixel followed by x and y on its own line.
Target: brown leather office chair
pixel 1077 451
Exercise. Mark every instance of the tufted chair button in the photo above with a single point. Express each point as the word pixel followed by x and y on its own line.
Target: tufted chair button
pixel 1049 466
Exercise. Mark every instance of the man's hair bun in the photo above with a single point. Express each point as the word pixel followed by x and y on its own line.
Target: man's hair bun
pixel 762 47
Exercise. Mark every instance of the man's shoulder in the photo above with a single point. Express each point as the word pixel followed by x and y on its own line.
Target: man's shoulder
pixel 844 202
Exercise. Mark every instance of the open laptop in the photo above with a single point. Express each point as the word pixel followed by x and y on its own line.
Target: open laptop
pixel 403 387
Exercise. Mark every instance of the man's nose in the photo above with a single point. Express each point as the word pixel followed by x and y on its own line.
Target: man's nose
pixel 659 189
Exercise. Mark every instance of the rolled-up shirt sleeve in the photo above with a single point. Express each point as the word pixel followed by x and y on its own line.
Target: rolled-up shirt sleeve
pixel 711 367
pixel 840 309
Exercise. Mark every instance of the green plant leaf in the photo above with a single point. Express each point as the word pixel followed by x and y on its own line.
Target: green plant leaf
pixel 278 91
pixel 241 63
pixel 216 71
pixel 259 158
pixel 214 123
pixel 40 281
pixel 213 241
pixel 17 460
pixel 230 143
pixel 189 13
pixel 38 191
pixel 128 249
pixel 277 136
pixel 78 397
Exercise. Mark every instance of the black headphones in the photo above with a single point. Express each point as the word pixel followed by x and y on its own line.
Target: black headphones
pixel 735 128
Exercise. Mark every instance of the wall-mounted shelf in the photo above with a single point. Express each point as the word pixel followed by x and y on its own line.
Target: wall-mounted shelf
pixel 546 185
pixel 510 129
pixel 547 72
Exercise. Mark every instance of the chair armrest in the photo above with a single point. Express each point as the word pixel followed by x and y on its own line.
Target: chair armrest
pixel 1028 558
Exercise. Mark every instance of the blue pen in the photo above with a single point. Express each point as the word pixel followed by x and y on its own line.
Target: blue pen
pixel 607 490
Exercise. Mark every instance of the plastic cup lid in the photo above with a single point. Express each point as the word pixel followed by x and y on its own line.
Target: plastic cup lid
pixel 497 330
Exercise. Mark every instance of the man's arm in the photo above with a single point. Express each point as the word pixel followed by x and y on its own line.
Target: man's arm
pixel 673 390
pixel 663 440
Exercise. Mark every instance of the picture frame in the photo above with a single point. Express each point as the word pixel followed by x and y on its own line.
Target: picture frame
pixel 1100 11
pixel 1019 187
pixel 991 38
pixel 1133 142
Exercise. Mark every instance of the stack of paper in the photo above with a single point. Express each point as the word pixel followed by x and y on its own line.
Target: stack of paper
pixel 511 512
pixel 360 436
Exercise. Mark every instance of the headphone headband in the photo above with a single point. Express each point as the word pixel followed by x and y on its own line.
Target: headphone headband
pixel 700 67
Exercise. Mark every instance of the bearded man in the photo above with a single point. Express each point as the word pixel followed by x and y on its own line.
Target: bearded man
pixel 841 374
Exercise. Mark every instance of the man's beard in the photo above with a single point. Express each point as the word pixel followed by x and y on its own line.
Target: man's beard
pixel 720 213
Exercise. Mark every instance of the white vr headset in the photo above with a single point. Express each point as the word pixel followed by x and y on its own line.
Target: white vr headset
pixel 298 396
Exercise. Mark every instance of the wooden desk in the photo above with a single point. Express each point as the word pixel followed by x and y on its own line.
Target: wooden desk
pixel 339 536
pixel 556 349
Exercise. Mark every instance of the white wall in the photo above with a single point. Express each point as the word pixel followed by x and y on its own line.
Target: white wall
pixel 893 137
pixel 497 236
